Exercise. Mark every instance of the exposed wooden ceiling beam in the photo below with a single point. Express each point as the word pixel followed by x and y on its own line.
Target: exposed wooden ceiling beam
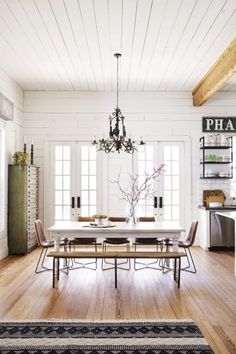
pixel 216 77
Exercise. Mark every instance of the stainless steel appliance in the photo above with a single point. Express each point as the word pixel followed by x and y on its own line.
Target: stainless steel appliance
pixel 221 231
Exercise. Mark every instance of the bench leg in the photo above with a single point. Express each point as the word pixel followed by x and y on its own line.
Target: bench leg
pixel 54 273
pixel 58 269
pixel 179 271
pixel 175 268
pixel 115 272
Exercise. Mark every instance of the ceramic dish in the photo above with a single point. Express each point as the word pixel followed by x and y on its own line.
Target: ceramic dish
pixel 215 205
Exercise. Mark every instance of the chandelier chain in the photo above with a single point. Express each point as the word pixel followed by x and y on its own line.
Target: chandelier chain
pixel 117 82
pixel 117 140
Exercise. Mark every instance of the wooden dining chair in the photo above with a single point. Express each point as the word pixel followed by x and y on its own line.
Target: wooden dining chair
pixel 45 244
pixel 149 241
pixel 116 242
pixel 79 241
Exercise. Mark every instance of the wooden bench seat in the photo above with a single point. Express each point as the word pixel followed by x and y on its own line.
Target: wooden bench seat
pixel 115 255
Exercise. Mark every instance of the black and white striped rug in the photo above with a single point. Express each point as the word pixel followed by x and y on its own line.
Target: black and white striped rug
pixel 102 337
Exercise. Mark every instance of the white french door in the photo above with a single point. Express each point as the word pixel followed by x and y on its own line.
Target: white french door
pixel 73 181
pixel 169 201
pixel 80 181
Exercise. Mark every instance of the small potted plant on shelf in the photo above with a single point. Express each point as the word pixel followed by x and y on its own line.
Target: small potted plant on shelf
pixel 99 218
pixel 20 158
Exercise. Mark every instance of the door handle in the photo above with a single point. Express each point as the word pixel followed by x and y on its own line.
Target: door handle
pixel 155 202
pixel 78 202
pixel 160 202
pixel 72 202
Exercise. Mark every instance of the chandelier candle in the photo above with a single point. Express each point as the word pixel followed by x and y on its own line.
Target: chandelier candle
pixel 117 140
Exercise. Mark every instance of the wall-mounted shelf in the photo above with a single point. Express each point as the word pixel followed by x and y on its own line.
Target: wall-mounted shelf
pixel 216 163
pixel 222 163
pixel 215 147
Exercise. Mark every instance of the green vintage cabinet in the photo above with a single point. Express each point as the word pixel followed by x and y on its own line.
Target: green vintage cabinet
pixel 22 208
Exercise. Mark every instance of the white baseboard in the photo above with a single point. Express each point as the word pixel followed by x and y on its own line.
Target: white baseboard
pixel 3 252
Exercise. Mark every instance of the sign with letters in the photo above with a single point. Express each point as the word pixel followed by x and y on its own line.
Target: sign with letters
pixel 219 124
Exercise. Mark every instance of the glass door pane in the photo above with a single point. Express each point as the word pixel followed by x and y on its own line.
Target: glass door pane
pixel 62 186
pixel 172 181
pixel 87 175
pixel 145 163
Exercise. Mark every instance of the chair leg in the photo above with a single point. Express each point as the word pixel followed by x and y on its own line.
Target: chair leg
pixel 191 268
pixel 104 249
pixel 41 260
pixel 40 267
pixel 146 265
pixel 84 265
pixel 190 262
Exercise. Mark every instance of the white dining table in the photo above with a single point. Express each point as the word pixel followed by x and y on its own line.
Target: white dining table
pixel 161 229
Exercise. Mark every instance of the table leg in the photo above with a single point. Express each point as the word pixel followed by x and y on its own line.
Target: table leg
pixel 56 242
pixel 115 272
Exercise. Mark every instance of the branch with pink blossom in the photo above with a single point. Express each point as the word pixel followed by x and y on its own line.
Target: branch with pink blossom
pixel 136 190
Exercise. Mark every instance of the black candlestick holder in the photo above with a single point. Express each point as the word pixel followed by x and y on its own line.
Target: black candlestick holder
pixel 32 154
pixel 24 148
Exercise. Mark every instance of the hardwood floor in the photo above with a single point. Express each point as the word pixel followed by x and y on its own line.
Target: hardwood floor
pixel 208 297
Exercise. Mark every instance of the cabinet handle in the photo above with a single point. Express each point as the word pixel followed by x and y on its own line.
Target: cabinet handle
pixel 73 202
pixel 78 202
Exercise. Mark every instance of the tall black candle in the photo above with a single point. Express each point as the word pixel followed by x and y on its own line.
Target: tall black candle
pixel 32 154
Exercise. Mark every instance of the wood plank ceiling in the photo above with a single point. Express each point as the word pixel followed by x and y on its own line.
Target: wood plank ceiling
pixel 166 45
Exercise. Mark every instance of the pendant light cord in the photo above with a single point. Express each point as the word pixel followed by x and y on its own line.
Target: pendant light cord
pixel 117 83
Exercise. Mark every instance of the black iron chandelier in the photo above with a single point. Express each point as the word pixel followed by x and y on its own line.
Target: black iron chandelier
pixel 117 140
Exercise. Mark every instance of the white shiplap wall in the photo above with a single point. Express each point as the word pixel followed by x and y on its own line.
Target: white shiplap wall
pixel 14 140
pixel 51 115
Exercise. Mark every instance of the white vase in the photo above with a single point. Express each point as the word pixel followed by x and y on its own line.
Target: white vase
pixel 99 222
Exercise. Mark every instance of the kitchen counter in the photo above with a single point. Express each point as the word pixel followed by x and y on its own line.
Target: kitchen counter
pixel 228 214
pixel 225 207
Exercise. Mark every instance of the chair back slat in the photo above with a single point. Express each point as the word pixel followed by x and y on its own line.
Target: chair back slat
pixel 85 219
pixel 40 235
pixel 147 219
pixel 116 219
pixel 192 234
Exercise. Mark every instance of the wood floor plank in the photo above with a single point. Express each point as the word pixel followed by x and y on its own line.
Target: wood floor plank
pixel 208 297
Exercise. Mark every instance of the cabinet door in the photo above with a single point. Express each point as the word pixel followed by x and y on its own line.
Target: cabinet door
pixel 17 231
